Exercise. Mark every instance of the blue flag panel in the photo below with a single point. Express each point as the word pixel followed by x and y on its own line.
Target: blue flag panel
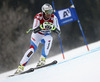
pixel 66 15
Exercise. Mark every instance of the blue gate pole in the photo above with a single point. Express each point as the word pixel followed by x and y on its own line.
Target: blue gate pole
pixel 61 46
pixel 59 34
pixel 80 28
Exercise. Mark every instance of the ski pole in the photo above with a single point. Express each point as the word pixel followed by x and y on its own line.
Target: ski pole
pixel 29 30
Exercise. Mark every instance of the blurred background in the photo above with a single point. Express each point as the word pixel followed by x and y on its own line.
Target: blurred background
pixel 16 17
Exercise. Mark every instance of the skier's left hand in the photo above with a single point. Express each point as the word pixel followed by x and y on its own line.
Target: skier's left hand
pixel 54 29
pixel 48 25
pixel 57 31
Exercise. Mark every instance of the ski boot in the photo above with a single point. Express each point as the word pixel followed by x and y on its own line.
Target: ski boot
pixel 41 61
pixel 19 69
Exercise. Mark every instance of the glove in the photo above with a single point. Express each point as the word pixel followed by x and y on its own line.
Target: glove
pixel 54 29
pixel 50 26
pixel 39 28
pixel 47 25
pixel 57 31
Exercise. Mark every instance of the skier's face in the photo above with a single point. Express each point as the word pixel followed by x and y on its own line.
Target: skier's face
pixel 48 13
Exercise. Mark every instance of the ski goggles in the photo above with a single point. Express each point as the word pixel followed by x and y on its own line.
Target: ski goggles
pixel 48 11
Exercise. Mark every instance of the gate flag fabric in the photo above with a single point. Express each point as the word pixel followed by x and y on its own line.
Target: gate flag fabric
pixel 66 15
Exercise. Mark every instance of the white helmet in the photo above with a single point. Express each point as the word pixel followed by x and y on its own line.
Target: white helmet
pixel 47 8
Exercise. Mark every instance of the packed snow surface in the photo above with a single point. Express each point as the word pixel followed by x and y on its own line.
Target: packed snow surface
pixel 80 65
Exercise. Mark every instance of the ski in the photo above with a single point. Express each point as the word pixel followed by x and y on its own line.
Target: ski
pixel 32 69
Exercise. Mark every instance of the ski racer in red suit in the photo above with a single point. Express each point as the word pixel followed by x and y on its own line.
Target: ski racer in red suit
pixel 44 23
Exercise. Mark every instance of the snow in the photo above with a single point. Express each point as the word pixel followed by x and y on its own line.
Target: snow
pixel 80 65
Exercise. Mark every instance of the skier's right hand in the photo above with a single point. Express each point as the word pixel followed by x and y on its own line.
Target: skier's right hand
pixel 46 25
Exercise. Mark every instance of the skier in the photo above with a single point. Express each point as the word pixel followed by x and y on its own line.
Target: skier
pixel 44 23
